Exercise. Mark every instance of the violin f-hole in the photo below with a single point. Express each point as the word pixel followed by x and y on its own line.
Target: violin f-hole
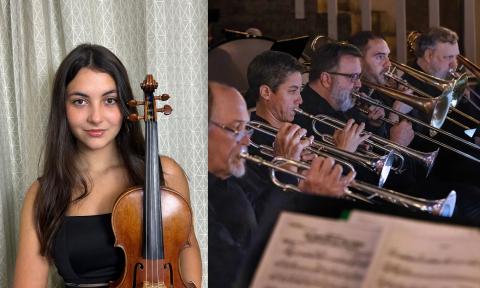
pixel 168 266
pixel 138 267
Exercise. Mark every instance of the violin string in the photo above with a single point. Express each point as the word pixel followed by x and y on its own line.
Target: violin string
pixel 156 215
pixel 146 202
pixel 155 212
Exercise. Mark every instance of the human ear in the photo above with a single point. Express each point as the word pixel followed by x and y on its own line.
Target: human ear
pixel 265 92
pixel 428 55
pixel 326 79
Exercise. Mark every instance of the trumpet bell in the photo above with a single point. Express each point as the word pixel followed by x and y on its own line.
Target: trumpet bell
pixel 384 165
pixel 366 192
pixel 461 83
pixel 447 207
pixel 438 114
pixel 436 109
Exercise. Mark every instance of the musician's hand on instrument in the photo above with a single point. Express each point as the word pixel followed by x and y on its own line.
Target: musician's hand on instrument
pixel 374 114
pixel 325 178
pixel 307 156
pixel 290 141
pixel 405 89
pixel 400 107
pixel 402 133
pixel 350 137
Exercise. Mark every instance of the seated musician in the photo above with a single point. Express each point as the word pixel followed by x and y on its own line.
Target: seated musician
pixel 436 54
pixel 334 74
pixel 375 63
pixel 275 82
pixel 231 218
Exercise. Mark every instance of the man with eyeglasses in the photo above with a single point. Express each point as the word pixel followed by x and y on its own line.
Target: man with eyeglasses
pixel 335 73
pixel 232 221
pixel 275 82
pixel 412 181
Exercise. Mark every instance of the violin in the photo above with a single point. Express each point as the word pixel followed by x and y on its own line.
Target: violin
pixel 151 224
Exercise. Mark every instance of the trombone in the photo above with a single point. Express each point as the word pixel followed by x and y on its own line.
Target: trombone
pixel 426 159
pixel 461 78
pixel 441 207
pixel 381 165
pixel 424 104
pixel 454 88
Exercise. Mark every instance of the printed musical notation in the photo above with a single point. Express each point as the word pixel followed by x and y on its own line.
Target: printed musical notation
pixel 405 258
pixel 368 251
pixel 313 252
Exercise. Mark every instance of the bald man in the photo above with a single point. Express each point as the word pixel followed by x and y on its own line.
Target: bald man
pixel 231 218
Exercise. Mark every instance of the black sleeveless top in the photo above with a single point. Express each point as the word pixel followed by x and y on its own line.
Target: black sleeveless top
pixel 84 251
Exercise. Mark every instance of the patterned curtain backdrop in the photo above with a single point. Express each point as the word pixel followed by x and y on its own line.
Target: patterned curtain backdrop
pixel 165 38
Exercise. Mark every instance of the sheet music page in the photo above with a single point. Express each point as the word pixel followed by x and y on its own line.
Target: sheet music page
pixel 408 259
pixel 307 251
pixel 427 228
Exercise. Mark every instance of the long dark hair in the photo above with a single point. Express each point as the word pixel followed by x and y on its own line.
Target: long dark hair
pixel 60 174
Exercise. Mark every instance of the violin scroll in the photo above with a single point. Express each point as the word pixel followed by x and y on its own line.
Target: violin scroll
pixel 150 107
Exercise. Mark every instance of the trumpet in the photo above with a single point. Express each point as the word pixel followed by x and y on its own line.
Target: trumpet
pixel 418 134
pixel 367 192
pixel 426 159
pixel 399 96
pixel 381 165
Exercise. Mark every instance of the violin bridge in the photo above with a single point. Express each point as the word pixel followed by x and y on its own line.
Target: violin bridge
pixel 153 285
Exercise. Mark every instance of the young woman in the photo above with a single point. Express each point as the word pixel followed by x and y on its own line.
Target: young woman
pixel 93 155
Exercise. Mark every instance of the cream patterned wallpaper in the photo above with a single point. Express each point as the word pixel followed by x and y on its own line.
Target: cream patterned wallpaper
pixel 165 38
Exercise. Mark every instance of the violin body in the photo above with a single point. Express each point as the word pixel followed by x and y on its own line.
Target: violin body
pixel 127 223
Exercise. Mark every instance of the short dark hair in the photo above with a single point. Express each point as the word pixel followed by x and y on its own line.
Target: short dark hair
pixel 432 37
pixel 326 57
pixel 270 68
pixel 360 39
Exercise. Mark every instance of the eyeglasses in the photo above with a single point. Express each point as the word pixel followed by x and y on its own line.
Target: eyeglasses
pixel 239 133
pixel 354 77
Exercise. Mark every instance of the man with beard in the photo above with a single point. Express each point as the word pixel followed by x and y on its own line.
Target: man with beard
pixel 231 218
pixel 375 63
pixel 436 54
pixel 334 74
pixel 275 81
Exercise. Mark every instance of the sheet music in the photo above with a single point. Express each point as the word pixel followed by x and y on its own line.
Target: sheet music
pixel 406 259
pixel 306 251
pixel 426 228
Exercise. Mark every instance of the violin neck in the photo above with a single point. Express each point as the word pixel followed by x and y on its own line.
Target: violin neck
pixel 152 212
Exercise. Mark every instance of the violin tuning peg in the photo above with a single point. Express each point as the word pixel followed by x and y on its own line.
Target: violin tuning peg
pixel 135 117
pixel 163 97
pixel 166 110
pixel 134 103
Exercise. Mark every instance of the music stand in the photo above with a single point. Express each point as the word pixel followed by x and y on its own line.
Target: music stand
pixel 292 46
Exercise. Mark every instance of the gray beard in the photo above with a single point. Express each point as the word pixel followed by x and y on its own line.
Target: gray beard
pixel 344 100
